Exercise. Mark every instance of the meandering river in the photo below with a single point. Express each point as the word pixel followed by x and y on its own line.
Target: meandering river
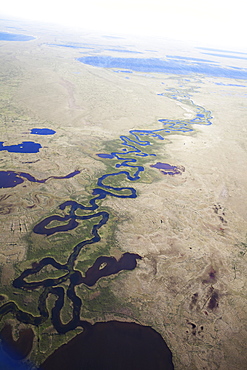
pixel 126 162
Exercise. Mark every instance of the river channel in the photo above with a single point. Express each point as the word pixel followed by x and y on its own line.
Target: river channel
pixel 128 157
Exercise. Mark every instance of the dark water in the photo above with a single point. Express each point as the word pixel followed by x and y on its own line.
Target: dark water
pixel 8 363
pixel 41 227
pixel 181 67
pixel 42 131
pixel 10 179
pixel 103 266
pixel 24 147
pixel 111 267
pixel 12 351
pixel 20 348
pixel 167 169
pixel 15 37
pixel 112 345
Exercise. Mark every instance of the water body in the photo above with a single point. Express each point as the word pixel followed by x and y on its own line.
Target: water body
pixel 221 51
pixel 132 148
pixel 42 131
pixel 10 179
pixel 125 51
pixel 92 275
pixel 105 155
pixel 20 348
pixel 155 65
pixel 113 345
pixel 190 59
pixel 5 36
pixel 72 46
pixel 167 169
pixel 41 227
pixel 113 37
pixel 8 363
pixel 222 84
pixel 226 56
pixel 111 266
pixel 24 147
pixel 127 71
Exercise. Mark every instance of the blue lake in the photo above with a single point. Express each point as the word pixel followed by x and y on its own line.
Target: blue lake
pixel 182 67
pixel 24 147
pixel 42 131
pixel 105 155
pixel 5 36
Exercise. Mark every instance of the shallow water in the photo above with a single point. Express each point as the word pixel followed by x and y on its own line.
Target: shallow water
pixel 5 36
pixel 155 65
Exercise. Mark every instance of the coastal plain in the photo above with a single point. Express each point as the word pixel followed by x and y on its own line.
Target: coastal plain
pixel 189 229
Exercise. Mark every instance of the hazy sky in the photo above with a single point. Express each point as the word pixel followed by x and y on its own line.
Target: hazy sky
pixel 221 22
